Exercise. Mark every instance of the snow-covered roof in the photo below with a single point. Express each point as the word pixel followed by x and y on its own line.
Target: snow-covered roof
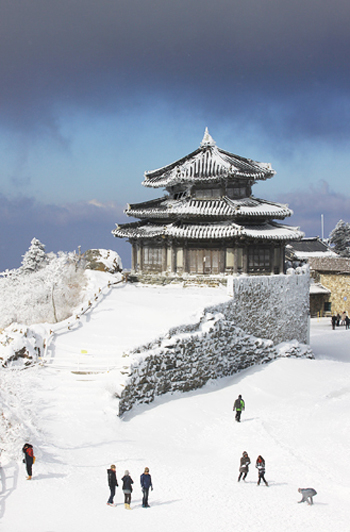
pixel 318 288
pixel 330 264
pixel 220 207
pixel 311 246
pixel 203 231
pixel 306 255
pixel 208 164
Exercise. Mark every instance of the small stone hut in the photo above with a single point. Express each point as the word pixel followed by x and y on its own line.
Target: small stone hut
pixel 208 222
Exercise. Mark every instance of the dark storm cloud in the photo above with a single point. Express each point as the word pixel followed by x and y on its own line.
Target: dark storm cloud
pixel 60 228
pixel 224 56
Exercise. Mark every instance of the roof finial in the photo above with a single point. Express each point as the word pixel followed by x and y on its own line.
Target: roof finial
pixel 207 139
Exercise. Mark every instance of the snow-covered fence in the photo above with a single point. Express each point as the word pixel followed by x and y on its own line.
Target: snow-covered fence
pixel 73 321
pixel 22 346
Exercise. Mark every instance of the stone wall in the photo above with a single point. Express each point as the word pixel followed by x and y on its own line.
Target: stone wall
pixel 189 360
pixel 339 285
pixel 221 343
pixel 276 307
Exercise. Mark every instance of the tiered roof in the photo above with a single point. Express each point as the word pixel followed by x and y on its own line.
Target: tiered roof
pixel 208 164
pixel 213 208
pixel 213 230
pixel 216 218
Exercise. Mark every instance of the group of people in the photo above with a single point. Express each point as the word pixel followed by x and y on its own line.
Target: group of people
pixel 340 319
pixel 244 468
pixel 307 493
pixel 145 481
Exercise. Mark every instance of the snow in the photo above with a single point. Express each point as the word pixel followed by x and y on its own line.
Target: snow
pixel 296 417
pixel 179 229
pixel 304 255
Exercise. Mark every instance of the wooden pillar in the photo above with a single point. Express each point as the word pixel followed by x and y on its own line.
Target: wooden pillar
pixel 180 266
pixel 138 257
pixel 165 257
pixel 240 265
pixel 230 260
pixel 170 261
pixel 133 256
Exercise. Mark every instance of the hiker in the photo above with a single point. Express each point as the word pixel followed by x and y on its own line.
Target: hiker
pixel 343 318
pixel 244 466
pixel 239 405
pixel 260 465
pixel 127 489
pixel 112 483
pixel 146 484
pixel 29 459
pixel 307 494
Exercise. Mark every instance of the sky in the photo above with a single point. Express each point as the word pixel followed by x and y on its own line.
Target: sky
pixel 94 94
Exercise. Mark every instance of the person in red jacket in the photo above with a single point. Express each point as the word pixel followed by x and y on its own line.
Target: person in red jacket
pixel 260 465
pixel 28 459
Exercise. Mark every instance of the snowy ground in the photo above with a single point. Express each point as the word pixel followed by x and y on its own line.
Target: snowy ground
pixel 296 417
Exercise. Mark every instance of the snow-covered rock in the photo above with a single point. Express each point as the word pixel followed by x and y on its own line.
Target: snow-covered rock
pixel 103 260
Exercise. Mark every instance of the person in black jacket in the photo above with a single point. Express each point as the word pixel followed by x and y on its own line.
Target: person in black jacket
pixel 127 489
pixel 146 484
pixel 112 483
pixel 28 459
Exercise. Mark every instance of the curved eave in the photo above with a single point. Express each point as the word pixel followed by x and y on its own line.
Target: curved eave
pixel 213 208
pixel 208 164
pixel 220 230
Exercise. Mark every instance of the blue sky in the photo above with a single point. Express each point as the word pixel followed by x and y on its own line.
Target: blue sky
pixel 95 94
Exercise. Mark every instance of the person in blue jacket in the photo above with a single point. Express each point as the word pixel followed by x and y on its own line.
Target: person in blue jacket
pixel 146 484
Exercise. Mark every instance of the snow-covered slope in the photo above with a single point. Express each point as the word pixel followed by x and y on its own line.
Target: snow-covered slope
pixel 296 417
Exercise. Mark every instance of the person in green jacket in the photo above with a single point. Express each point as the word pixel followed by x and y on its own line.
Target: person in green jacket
pixel 239 405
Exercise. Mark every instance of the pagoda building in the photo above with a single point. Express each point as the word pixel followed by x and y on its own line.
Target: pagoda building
pixel 208 222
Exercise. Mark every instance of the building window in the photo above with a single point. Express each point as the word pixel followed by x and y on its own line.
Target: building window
pixel 207 193
pixel 153 259
pixel 206 261
pixel 259 259
pixel 236 192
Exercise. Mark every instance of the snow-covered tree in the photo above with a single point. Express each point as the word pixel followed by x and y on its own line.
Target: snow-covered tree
pixel 340 238
pixel 48 294
pixel 35 258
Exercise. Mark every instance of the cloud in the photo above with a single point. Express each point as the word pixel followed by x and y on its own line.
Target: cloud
pixel 89 224
pixel 309 204
pixel 241 60
pixel 59 227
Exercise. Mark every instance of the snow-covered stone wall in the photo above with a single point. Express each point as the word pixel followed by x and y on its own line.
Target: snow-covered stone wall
pixel 264 312
pixel 274 307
